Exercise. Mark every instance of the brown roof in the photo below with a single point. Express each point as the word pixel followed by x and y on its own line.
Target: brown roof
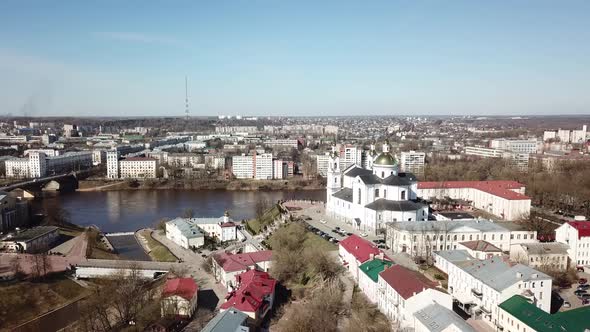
pixel 480 245
pixel 406 282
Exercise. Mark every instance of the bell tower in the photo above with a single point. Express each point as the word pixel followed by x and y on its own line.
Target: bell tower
pixel 334 177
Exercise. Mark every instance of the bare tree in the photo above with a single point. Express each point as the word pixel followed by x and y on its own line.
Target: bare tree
pixel 188 213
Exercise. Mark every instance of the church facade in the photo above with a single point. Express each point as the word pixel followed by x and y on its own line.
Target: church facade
pixel 369 197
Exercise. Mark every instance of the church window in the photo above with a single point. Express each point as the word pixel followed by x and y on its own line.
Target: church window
pixel 384 193
pixel 382 174
pixel 403 194
pixel 359 199
pixel 335 180
pixel 335 165
pixel 376 193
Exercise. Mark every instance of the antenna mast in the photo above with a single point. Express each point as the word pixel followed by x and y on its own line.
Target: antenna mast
pixel 186 97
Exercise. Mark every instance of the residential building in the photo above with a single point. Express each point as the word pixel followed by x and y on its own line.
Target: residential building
pixel 517 159
pixel 222 229
pixel 504 199
pixel 322 162
pixel 255 166
pixel 518 314
pixel 548 255
pixel 33 240
pixel 137 168
pixel 254 294
pixel 525 146
pixel 480 286
pixel 412 161
pixel 567 136
pixel 369 276
pixel 227 266
pixel 368 198
pixel 113 164
pixel 38 164
pixel 191 160
pixel 235 129
pixel 354 251
pixel 403 292
pixel 576 234
pixel 424 238
pixel 184 233
pixel 230 320
pixel 14 211
pixel 287 142
pixel 179 297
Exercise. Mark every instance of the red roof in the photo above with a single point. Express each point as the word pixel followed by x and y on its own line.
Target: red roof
pixel 238 262
pixel 360 248
pixel 583 228
pixel 183 287
pixel 500 188
pixel 254 287
pixel 406 282
pixel 228 224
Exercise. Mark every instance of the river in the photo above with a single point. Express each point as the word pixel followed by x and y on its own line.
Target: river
pixel 129 210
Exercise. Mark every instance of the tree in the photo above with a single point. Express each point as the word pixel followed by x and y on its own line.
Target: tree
pixel 188 213
pixel 261 206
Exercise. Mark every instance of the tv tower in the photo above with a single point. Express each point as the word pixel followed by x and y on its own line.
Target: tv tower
pixel 186 97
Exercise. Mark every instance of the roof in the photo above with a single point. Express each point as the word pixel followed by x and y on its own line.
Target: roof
pixel 360 248
pixel 401 179
pixel 545 248
pixel 500 188
pixel 373 267
pixel 139 159
pixel 230 320
pixel 187 229
pixel 456 215
pixel 455 255
pixel 575 320
pixel 498 274
pixel 583 228
pixel 477 225
pixel 383 204
pixel 406 282
pixel 254 287
pixel 238 262
pixel 385 159
pixel 31 233
pixel 438 318
pixel 480 245
pixel 354 171
pixel 344 194
pixel 183 287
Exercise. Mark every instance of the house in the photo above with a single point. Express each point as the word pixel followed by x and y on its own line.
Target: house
pixel 576 234
pixel 222 229
pixel 480 285
pixel 32 240
pixel 437 318
pixel 369 276
pixel 230 320
pixel 518 314
pixel 480 249
pixel 552 255
pixel 227 266
pixel 402 292
pixel 354 251
pixel 253 295
pixel 184 233
pixel 179 297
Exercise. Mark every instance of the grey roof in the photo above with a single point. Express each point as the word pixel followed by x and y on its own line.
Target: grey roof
pixel 438 318
pixel 354 171
pixel 188 229
pixel 551 248
pixel 498 274
pixel 455 255
pixel 383 204
pixel 401 179
pixel 456 215
pixel 31 233
pixel 345 194
pixel 231 320
pixel 478 225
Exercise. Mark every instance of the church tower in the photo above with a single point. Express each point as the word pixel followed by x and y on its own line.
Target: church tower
pixel 334 177
pixel 385 164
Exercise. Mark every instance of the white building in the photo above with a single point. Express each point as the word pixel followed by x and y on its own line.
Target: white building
pixel 222 229
pixel 480 286
pixel 424 238
pixel 32 240
pixel 412 161
pixel 113 164
pixel 38 164
pixel 436 318
pixel 527 146
pixel 322 162
pixel 179 297
pixel 354 251
pixel 368 198
pixel 243 167
pixel 504 199
pixel 552 255
pixel 369 276
pixel 137 168
pixel 184 233
pixel 17 168
pixel 567 136
pixel 226 266
pixel 576 234
pixel 286 142
pixel 518 159
pixel 255 166
pixel 235 129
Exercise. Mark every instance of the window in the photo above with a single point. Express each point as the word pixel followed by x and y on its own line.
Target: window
pixel 403 197
pixel 455 238
pixel 359 198
pixel 525 236
pixel 470 237
pixel 463 237
pixel 376 193
pixel 384 193
pixel 382 174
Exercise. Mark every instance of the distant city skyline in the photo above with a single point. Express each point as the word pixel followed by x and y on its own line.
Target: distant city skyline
pixel 299 58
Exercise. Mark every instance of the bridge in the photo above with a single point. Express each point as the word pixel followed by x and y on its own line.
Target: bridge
pixel 100 268
pixel 119 234
pixel 38 183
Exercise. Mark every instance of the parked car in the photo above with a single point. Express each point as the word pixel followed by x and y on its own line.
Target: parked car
pixel 585 301
pixel 585 296
pixel 348 233
pixel 338 228
pixel 566 304
pixel 364 234
pixel 579 293
pixel 579 268
pixel 323 221
pixel 583 287
pixel 582 281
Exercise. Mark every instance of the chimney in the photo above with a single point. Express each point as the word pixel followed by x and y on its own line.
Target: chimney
pixel 372 256
pixel 381 255
pixel 535 275
pixel 519 275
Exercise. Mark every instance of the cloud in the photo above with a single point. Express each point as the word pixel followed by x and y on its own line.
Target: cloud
pixel 138 38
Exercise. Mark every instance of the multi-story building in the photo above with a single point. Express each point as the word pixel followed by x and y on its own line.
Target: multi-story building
pixel 254 294
pixel 226 266
pixel 185 234
pixel 425 237
pixel 576 234
pixel 412 161
pixel 222 229
pixel 354 251
pixel 322 161
pixel 32 240
pixel 17 168
pixel 525 146
pixel 287 142
pixel 517 159
pixel 179 297
pixel 113 164
pixel 255 166
pixel 70 130
pixel 39 165
pixel 436 318
pixel 504 199
pixel 185 160
pixel 567 136
pixel 138 168
pixel 235 129
pixel 550 255
pixel 14 211
pixel 369 276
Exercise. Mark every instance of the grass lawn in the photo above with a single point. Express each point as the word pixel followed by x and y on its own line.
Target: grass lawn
pixel 158 251
pixel 25 300
pixel 314 240
pixel 269 215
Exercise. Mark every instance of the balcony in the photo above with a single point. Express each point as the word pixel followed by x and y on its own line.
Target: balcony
pixel 476 293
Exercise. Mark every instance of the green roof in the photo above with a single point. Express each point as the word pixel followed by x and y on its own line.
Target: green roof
pixel 575 320
pixel 373 267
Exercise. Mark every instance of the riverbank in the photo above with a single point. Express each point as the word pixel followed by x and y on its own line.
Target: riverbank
pixel 200 184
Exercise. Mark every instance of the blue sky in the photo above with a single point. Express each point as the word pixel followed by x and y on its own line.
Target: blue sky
pixel 295 57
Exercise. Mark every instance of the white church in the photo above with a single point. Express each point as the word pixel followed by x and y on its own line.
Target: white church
pixel 369 197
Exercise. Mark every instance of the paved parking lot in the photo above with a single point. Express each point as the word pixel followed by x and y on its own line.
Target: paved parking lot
pixel 569 296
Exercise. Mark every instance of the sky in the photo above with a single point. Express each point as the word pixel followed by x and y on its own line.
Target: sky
pixel 278 57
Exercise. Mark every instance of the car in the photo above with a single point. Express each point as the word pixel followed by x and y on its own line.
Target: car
pixel 308 218
pixel 585 296
pixel 579 293
pixel 376 241
pixel 337 228
pixel 566 304
pixel 382 246
pixel 583 287
pixel 364 234
pixel 348 233
pixel 203 255
pixel 585 301
pixel 323 221
pixel 582 281
pixel 579 268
